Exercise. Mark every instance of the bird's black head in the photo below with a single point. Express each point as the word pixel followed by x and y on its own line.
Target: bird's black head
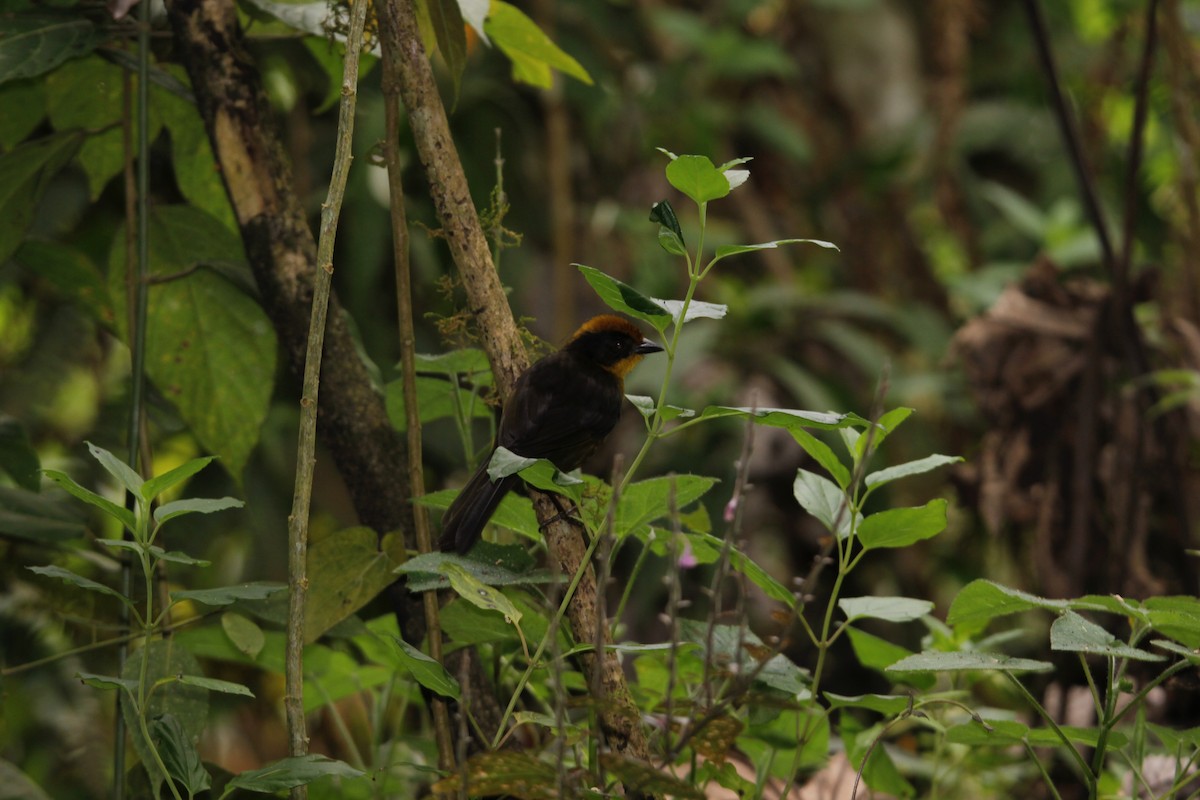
pixel 611 342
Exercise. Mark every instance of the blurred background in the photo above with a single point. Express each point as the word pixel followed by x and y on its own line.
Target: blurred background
pixel 918 136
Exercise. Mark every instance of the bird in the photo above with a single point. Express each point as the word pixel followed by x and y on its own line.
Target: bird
pixel 560 409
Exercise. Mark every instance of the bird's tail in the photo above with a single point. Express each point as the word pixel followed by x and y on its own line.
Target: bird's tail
pixel 470 511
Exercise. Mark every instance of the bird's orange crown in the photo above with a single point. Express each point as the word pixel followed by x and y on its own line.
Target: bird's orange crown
pixel 615 358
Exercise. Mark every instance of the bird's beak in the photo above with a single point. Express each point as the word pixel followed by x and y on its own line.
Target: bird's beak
pixel 647 347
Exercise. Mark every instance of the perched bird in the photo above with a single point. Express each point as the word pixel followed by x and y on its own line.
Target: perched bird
pixel 561 409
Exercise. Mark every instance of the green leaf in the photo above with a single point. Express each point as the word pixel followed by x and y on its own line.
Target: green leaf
pixel 739 650
pixel 215 685
pixel 167 660
pixel 210 347
pixel 878 654
pixel 194 505
pixel 72 578
pixel 179 754
pixel 670 235
pixel 118 469
pixel 17 456
pixel 624 298
pixel 1075 634
pixel 155 486
pixel 480 594
pixel 174 557
pixel 17 784
pixel 823 455
pixel 195 167
pixel 697 178
pixel 645 406
pixel 649 500
pixel 70 271
pixel 1005 732
pixel 437 398
pixel 537 472
pixel 532 53
pixel 789 418
pixel 900 527
pixel 34 44
pixel 25 172
pixel 981 601
pixel 227 595
pixel 451 34
pixel 346 570
pixel 822 498
pixel 428 672
pixel 886 704
pixel 958 661
pixel 24 104
pixel 501 773
pixel 918 467
pixel 724 251
pixel 245 634
pixel 107 681
pixel 497 565
pixel 891 609
pixel 696 310
pixel 1177 617
pixel 289 772
pixel 122 515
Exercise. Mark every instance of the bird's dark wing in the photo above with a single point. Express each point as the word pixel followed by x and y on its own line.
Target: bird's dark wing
pixel 561 410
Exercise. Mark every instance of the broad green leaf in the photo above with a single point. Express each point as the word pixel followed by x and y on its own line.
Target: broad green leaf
pixel 1189 654
pixel 789 418
pixel 155 486
pixel 1004 732
pixel 24 104
pixel 900 527
pixel 958 661
pixel 107 681
pixel 210 347
pixel 740 651
pixel 868 755
pixel 774 742
pixel 822 498
pixel 72 578
pixel 624 298
pixel 724 251
pixel 195 167
pixel 921 465
pixel 823 454
pixel 245 634
pixel 532 53
pixel 670 235
pixel 480 594
pixel 18 785
pixel 1073 633
pixel 1177 617
pixel 38 517
pixel 697 178
pixel 87 94
pixel 469 361
pixel 887 704
pixel 696 310
pixel 346 570
pixel 289 772
pixel 497 565
pixel 174 557
pixel 649 500
pixel 34 44
pixel 645 406
pixel 118 469
pixel 466 623
pixel 227 595
pixel 188 704
pixel 537 472
pixel 451 35
pixel 878 654
pixel 428 672
pixel 437 398
pixel 891 609
pixel 179 755
pixel 215 685
pixel 119 513
pixel 25 172
pixel 17 456
pixel 981 601
pixel 194 505
pixel 648 778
